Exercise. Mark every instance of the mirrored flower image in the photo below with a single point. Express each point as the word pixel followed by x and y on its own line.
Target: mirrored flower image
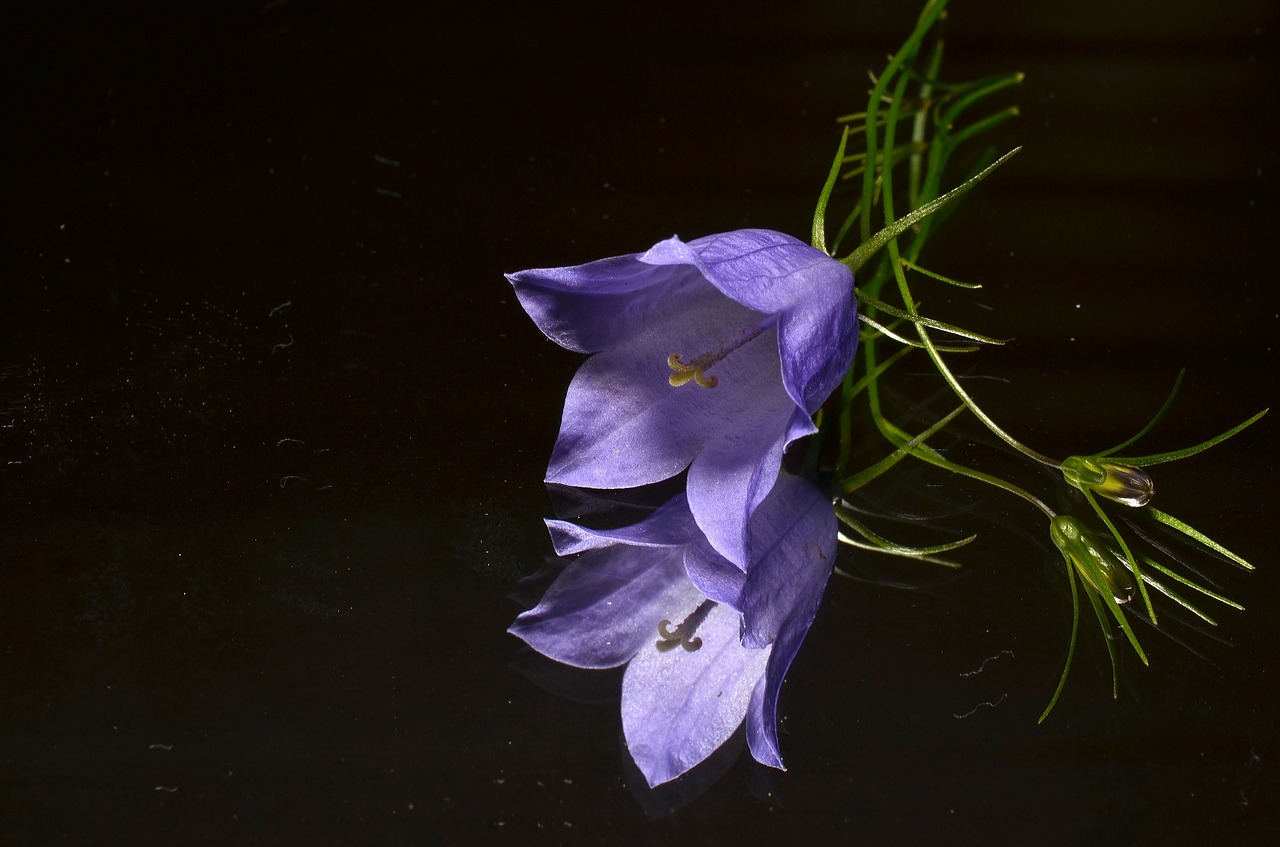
pixel 706 644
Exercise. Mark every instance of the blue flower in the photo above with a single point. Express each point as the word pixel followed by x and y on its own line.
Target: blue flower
pixel 711 356
pixel 706 644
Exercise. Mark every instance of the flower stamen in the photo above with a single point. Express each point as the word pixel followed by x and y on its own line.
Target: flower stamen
pixel 670 637
pixel 696 369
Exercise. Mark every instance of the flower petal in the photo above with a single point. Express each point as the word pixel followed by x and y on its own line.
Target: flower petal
pixel 593 306
pixel 715 576
pixel 817 340
pixel 794 537
pixel 606 605
pixel 625 425
pixel 670 525
pixel 775 274
pixel 679 706
pixel 794 542
pixel 734 473
pixel 768 271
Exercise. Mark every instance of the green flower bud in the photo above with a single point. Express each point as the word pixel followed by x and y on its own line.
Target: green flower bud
pixel 1093 559
pixel 1124 484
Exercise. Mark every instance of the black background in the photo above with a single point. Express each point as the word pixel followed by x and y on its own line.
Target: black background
pixel 274 427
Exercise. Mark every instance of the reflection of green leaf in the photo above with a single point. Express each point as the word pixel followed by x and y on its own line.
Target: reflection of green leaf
pixel 1071 644
pixel 1112 654
pixel 1187 529
pixel 1092 560
pixel 1146 560
pixel 1128 554
pixel 853 483
pixel 880 544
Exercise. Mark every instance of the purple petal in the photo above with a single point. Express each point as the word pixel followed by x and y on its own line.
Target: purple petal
pixel 670 525
pixel 606 605
pixel 816 342
pixel 715 576
pixel 775 274
pixel 762 725
pixel 593 306
pixel 624 425
pixel 794 536
pixel 679 706
pixel 768 271
pixel 733 474
pixel 762 716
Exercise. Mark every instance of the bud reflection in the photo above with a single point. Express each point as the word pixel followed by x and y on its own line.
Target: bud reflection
pixel 1094 560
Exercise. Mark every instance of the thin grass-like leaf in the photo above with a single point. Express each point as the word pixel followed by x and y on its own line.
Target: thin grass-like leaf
pixel 1187 529
pixel 865 476
pixel 871 245
pixel 884 330
pixel 882 306
pixel 820 212
pixel 1124 547
pixel 902 58
pixel 1107 640
pixel 1168 401
pixel 981 89
pixel 1172 455
pixel 985 125
pixel 1071 645
pixel 1149 562
pixel 907 263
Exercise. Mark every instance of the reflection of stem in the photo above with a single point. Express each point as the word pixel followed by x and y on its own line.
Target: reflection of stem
pixel 864 476
pixel 928 454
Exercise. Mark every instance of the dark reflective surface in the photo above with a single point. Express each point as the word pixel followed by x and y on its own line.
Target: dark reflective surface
pixel 274 427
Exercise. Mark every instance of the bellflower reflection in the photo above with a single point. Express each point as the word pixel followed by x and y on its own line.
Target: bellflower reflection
pixel 711 355
pixel 706 644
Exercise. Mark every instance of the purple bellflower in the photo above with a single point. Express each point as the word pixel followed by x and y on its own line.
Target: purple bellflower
pixel 711 356
pixel 705 644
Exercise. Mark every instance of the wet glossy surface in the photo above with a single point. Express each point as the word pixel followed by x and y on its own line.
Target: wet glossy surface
pixel 274 427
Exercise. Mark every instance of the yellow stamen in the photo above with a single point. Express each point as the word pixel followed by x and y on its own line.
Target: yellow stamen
pixel 672 637
pixel 695 371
